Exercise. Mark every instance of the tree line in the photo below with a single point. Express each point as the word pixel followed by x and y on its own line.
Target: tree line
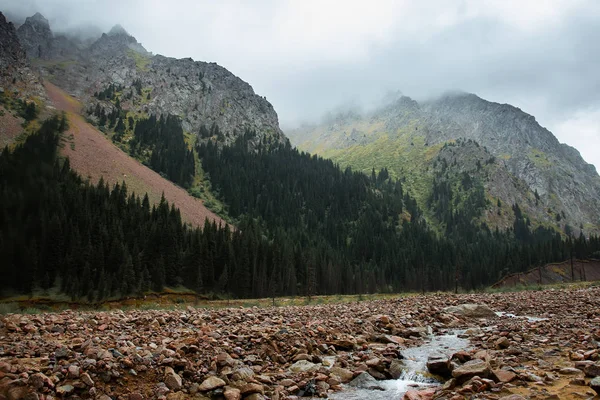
pixel 306 227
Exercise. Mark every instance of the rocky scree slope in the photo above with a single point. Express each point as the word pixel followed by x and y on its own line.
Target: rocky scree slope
pixel 520 161
pixel 199 93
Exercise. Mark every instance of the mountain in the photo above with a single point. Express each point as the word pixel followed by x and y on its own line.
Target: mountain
pixel 15 71
pixel 199 93
pixel 498 146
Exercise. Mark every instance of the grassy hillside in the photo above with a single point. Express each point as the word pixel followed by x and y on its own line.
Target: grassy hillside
pixel 93 156
pixel 408 156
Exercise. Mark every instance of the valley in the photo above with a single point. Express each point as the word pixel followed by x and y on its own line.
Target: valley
pixel 161 237
pixel 534 344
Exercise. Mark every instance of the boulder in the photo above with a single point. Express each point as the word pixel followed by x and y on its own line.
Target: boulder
pixel 303 366
pixel 211 383
pixel 502 343
pixel 250 388
pixel 232 393
pixel 365 381
pixel 396 369
pixel 470 369
pixel 592 370
pixel 345 375
pixel 471 310
pixel 504 376
pixel 172 380
pixel 439 364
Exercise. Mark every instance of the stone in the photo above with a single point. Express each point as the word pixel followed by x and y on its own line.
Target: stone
pixel 231 393
pixel 85 378
pixel 513 397
pixel 303 366
pixel 302 356
pixel 250 388
pixel 592 370
pixel 62 352
pixel 595 384
pixel 39 380
pixel 569 371
pixel 471 310
pixel 64 390
pixel 211 383
pixel 242 374
pixel 343 344
pixel 396 369
pixel 426 394
pixel 502 343
pixel 16 393
pixel 504 376
pixel 135 396
pixel 470 369
pixel 365 381
pixel 172 380
pixel 439 364
pixel 344 374
pixel 73 371
pixel 224 359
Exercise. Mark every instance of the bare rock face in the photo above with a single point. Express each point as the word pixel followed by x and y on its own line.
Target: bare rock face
pixel 200 93
pixel 15 71
pixel 36 37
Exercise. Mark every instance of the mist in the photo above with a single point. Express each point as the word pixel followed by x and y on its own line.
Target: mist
pixel 311 57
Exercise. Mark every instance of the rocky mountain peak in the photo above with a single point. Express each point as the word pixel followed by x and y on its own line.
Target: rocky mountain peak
pixel 38 19
pixel 118 30
pixel 36 37
pixel 116 41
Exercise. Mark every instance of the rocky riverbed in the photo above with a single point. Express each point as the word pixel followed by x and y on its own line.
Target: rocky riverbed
pixel 537 344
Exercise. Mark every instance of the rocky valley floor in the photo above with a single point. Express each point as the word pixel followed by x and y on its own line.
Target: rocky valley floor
pixel 543 345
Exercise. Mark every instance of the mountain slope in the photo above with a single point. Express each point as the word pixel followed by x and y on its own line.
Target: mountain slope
pixel 199 93
pixel 19 86
pixel 93 156
pixel 518 162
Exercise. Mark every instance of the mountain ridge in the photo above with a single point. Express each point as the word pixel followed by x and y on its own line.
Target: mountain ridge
pixel 199 93
pixel 554 173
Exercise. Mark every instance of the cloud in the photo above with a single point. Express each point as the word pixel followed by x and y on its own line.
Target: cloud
pixel 309 56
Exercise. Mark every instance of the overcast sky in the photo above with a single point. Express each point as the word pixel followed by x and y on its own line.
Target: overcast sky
pixel 310 56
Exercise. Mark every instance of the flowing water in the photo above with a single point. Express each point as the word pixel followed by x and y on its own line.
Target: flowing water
pixel 527 317
pixel 415 374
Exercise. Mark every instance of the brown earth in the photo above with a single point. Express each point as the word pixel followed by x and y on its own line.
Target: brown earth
pixel 583 270
pixel 274 352
pixel 93 156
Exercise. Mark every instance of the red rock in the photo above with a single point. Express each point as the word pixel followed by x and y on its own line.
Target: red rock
pixel 426 394
pixel 250 388
pixel 504 376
